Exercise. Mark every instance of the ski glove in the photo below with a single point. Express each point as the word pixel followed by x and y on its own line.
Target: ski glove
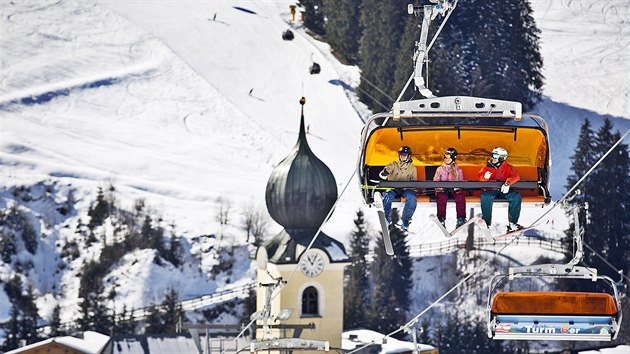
pixel 384 174
pixel 505 188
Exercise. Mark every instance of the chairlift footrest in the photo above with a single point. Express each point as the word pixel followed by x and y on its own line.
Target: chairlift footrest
pixel 289 344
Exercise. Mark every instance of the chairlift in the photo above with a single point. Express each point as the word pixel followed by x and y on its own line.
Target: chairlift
pixel 472 125
pixel 315 68
pixel 555 315
pixel 288 35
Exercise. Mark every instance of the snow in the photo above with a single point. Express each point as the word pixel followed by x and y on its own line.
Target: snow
pixel 620 349
pixel 388 345
pixel 92 342
pixel 178 107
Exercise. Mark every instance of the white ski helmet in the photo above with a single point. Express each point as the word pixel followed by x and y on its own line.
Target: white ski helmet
pixel 499 153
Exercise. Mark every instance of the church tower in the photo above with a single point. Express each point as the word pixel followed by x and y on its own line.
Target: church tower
pixel 300 193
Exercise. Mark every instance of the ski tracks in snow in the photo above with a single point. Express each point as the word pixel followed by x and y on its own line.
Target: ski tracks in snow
pixel 585 44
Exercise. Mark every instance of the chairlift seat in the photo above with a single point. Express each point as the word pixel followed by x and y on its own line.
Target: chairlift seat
pixel 575 316
pixel 528 186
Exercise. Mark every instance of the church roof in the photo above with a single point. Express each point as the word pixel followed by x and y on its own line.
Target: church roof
pixel 287 246
pixel 301 189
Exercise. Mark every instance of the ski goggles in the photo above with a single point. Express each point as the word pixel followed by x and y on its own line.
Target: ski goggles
pixel 495 155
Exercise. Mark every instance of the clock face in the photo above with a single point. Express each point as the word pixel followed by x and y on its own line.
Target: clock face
pixel 311 264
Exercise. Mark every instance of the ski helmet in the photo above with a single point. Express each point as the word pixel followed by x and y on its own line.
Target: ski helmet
pixel 405 150
pixel 452 153
pixel 499 153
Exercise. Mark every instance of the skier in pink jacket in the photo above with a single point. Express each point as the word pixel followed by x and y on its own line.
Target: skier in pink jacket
pixel 450 171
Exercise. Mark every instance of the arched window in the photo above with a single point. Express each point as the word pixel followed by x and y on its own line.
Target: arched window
pixel 310 306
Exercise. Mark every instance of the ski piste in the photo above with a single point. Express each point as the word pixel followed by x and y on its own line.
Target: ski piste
pixel 458 229
pixel 378 204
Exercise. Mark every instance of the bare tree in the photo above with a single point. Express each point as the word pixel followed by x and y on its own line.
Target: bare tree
pixel 223 212
pixel 255 220
pixel 249 211
pixel 259 225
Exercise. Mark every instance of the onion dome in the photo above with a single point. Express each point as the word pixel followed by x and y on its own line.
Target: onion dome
pixel 301 189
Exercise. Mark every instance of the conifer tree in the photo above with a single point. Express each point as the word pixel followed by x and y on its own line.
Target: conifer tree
pixel 173 312
pixel 29 235
pixel 249 305
pixel 384 315
pixel 581 161
pixel 22 324
pixel 609 195
pixel 404 58
pixel 175 251
pixel 125 324
pixel 95 315
pixel 7 246
pixel 99 210
pixel 12 329
pixel 522 71
pixel 383 24
pixel 357 287
pixel 55 322
pixel 392 281
pixel 314 15
pixel 30 317
pixel 488 48
pixel 343 30
pixel 153 321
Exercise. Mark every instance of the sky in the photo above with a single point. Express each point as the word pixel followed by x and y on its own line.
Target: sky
pixel 180 103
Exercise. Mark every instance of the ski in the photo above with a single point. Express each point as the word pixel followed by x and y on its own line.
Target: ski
pixel 406 232
pixel 461 227
pixel 481 223
pixel 378 204
pixel 464 225
pixel 439 224
pixel 519 231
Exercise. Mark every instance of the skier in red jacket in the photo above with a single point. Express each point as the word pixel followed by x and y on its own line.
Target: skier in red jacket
pixel 496 169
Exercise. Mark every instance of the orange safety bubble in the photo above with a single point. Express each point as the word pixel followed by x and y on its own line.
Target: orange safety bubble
pixel 554 303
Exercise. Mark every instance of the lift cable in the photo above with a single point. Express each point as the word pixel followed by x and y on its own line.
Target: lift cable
pixel 620 271
pixel 601 159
